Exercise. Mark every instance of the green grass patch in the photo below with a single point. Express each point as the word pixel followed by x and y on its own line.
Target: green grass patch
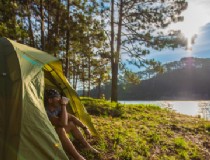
pixel 135 132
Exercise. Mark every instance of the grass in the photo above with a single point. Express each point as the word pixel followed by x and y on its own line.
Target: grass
pixel 146 132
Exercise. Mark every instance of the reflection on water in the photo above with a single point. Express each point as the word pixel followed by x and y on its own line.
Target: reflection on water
pixel 192 108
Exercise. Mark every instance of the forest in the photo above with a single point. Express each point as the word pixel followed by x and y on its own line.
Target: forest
pixel 91 37
pixel 186 79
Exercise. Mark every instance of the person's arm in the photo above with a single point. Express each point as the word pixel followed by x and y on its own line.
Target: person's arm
pixel 62 120
pixel 78 123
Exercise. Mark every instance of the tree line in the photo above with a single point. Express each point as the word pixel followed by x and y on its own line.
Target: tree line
pixel 186 79
pixel 91 36
pixel 69 30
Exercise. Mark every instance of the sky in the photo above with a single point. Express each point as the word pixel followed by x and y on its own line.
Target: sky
pixel 196 21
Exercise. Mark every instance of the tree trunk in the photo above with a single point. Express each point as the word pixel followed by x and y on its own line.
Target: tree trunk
pixel 32 42
pixel 67 42
pixel 74 68
pixel 49 37
pixel 83 77
pixel 57 28
pixel 99 88
pixel 114 76
pixel 89 76
pixel 115 55
pixel 42 25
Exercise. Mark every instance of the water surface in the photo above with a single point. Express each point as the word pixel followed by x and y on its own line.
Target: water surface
pixel 184 107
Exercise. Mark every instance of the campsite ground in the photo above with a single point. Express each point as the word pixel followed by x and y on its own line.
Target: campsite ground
pixel 141 132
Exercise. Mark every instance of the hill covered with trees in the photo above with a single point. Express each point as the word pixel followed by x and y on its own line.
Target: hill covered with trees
pixel 186 79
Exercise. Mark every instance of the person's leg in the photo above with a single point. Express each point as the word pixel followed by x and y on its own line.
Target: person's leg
pixel 78 135
pixel 67 144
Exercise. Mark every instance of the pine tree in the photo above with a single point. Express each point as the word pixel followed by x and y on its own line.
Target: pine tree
pixel 139 25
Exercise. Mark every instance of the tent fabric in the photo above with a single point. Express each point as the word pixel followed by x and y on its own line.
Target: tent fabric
pixel 25 130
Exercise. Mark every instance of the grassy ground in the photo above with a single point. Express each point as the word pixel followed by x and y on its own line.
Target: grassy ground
pixel 146 132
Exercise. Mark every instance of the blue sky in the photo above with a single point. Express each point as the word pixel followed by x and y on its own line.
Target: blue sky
pixel 196 21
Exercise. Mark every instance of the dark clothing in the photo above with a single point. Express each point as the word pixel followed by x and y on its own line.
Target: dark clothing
pixel 54 113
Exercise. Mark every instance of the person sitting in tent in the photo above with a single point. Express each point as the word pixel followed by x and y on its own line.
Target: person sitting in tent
pixel 64 123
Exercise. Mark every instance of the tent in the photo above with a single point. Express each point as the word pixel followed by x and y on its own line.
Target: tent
pixel 25 130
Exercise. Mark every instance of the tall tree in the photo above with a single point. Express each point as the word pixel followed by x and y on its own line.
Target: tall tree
pixel 56 27
pixel 11 24
pixel 87 37
pixel 67 39
pixel 138 29
pixel 67 29
pixel 30 29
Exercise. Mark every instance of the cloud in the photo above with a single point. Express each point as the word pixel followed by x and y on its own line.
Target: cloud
pixel 202 43
pixel 203 2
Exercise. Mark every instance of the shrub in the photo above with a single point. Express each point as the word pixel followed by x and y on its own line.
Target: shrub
pixel 100 107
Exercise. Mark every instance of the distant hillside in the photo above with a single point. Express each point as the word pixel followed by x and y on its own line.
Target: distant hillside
pixel 187 79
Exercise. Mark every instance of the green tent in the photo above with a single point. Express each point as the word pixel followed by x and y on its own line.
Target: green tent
pixel 25 131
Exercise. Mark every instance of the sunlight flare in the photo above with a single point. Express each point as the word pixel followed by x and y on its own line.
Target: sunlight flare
pixel 195 17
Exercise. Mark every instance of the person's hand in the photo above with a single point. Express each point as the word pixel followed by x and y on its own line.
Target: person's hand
pixel 64 101
pixel 87 132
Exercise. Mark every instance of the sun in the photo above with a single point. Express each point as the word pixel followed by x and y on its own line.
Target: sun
pixel 189 46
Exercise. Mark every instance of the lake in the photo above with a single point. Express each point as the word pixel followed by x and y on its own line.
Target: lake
pixel 185 107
